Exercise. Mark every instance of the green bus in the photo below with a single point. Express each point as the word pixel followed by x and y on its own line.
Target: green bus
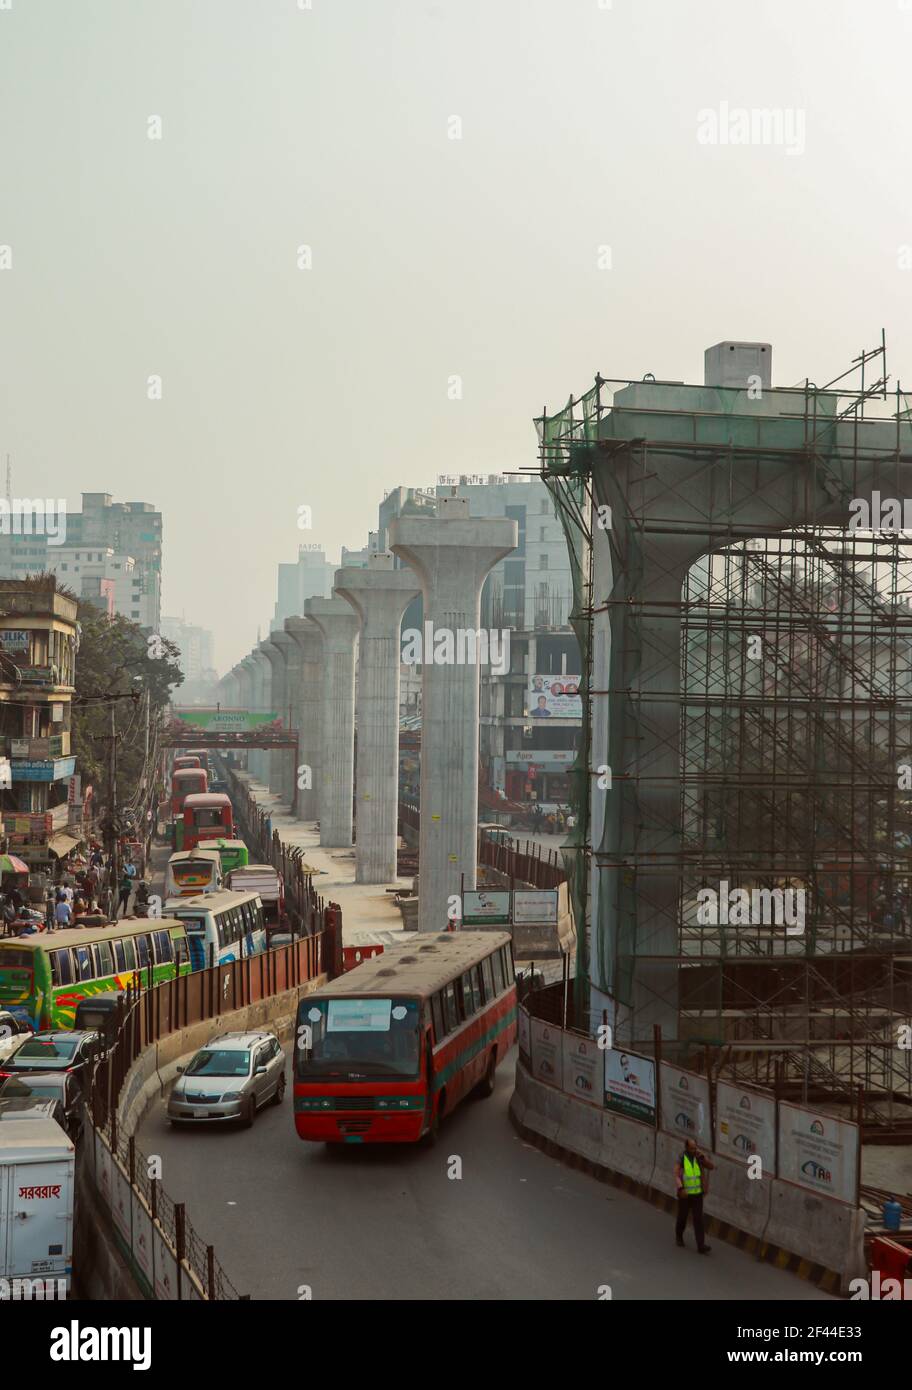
pixel 233 854
pixel 43 977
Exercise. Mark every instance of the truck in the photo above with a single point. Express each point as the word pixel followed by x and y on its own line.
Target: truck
pixel 37 1190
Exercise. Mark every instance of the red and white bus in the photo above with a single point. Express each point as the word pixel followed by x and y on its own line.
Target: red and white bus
pixel 185 782
pixel 385 1051
pixel 207 816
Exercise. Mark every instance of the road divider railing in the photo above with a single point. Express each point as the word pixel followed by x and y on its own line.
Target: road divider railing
pixel 165 1256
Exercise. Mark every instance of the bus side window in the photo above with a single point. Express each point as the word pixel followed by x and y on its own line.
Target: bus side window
pixel 83 962
pixel 468 993
pixel 129 950
pixel 105 958
pixel 450 1011
pixel 119 957
pixel 179 944
pixel 487 975
pixel 506 960
pixel 163 948
pixel 437 1014
pixel 142 951
pixel 497 965
pixel 61 967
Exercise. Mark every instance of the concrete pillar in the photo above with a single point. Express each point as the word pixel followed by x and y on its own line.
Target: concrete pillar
pixel 307 701
pixel 287 768
pixel 262 687
pixel 277 702
pixel 379 595
pixel 339 627
pixel 451 554
pixel 246 692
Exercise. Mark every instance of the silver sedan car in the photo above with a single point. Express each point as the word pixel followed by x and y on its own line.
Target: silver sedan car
pixel 229 1079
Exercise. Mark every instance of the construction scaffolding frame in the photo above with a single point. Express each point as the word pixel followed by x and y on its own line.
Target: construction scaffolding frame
pixel 757 711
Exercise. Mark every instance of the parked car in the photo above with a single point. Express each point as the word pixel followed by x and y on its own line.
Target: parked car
pixel 54 1052
pixel 13 1030
pixel 229 1079
pixel 61 1088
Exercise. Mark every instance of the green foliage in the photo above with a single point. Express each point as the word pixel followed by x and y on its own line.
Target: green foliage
pixel 112 651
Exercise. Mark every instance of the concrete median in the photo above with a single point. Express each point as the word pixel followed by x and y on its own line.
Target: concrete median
pixel 628 1147
pixel 820 1230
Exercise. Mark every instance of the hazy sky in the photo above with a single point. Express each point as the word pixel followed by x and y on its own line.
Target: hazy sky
pixel 432 257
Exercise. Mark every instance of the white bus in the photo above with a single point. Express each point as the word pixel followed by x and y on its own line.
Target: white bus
pixel 191 872
pixel 221 927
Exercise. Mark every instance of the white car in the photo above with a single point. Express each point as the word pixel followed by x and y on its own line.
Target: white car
pixel 13 1031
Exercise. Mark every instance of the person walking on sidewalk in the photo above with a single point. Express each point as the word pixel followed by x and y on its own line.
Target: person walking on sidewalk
pixel 691 1185
pixel 126 889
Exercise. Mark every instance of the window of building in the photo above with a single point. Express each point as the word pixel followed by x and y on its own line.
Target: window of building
pixel 542 562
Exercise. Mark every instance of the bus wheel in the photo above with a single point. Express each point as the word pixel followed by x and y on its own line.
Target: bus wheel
pixel 249 1113
pixel 279 1092
pixel 486 1084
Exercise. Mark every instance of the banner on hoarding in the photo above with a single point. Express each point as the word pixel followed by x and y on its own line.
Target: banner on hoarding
pixel 685 1104
pixel 535 907
pixel 524 1034
pixel 546 1052
pixel 746 1125
pixel 581 1070
pixel 630 1087
pixel 483 907
pixel 554 697
pixel 818 1152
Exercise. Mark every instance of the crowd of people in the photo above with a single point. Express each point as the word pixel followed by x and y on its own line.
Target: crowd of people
pixel 84 897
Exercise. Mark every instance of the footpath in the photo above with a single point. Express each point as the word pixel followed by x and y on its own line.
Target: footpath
pixel 366 907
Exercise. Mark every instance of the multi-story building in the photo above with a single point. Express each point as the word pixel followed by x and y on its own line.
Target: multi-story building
pixel 311 576
pixel 195 645
pixel 108 580
pixel 115 542
pixel 132 529
pixel 38 638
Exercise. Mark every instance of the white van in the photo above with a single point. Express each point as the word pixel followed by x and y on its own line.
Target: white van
pixel 37 1187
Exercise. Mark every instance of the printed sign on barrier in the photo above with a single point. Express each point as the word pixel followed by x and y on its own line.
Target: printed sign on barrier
pixel 685 1104
pixel 546 1052
pixel 525 1037
pixel 630 1087
pixel 746 1125
pixel 818 1152
pixel 581 1070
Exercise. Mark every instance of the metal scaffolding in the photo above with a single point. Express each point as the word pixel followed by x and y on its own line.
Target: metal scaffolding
pixel 745 879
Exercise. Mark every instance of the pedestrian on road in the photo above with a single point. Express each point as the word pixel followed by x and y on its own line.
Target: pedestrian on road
pixel 126 888
pixel 63 913
pixel 691 1184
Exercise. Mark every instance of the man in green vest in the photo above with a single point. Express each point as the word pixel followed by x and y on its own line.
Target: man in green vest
pixel 691 1185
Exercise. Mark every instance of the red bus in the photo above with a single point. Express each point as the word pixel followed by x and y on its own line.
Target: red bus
pixel 207 816
pixel 185 782
pixel 186 760
pixel 385 1051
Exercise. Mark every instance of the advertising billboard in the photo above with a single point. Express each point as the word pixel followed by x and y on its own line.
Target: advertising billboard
pixel 486 908
pixel 554 697
pixel 630 1085
pixel 535 907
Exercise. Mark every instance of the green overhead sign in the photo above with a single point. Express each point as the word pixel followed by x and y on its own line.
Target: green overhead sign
pixel 225 721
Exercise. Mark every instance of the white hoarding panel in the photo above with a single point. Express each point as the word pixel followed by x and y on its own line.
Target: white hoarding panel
pixel 746 1125
pixel 546 1052
pixel 685 1104
pixel 818 1152
pixel 581 1068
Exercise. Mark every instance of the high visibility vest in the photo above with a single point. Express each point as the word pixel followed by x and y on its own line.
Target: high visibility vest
pixel 693 1178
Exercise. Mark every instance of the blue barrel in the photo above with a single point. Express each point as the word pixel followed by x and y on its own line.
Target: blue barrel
pixel 892 1215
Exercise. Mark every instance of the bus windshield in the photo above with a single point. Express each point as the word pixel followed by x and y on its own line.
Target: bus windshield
pixel 354 1039
pixel 189 873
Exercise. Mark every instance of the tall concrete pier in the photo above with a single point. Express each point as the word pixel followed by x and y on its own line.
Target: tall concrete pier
pixel 276 701
pixel 282 759
pixel 339 626
pixel 451 554
pixel 379 595
pixel 307 701
pixel 262 690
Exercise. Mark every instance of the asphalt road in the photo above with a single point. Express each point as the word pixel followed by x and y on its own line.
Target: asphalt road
pixel 368 1222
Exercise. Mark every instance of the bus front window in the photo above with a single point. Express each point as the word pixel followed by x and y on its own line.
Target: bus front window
pixel 358 1039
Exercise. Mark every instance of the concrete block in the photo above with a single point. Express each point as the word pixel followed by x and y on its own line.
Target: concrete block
pixel 628 1147
pixel 818 1229
pixel 734 1197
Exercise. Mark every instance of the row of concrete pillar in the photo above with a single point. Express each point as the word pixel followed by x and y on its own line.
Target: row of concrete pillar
pixel 305 673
